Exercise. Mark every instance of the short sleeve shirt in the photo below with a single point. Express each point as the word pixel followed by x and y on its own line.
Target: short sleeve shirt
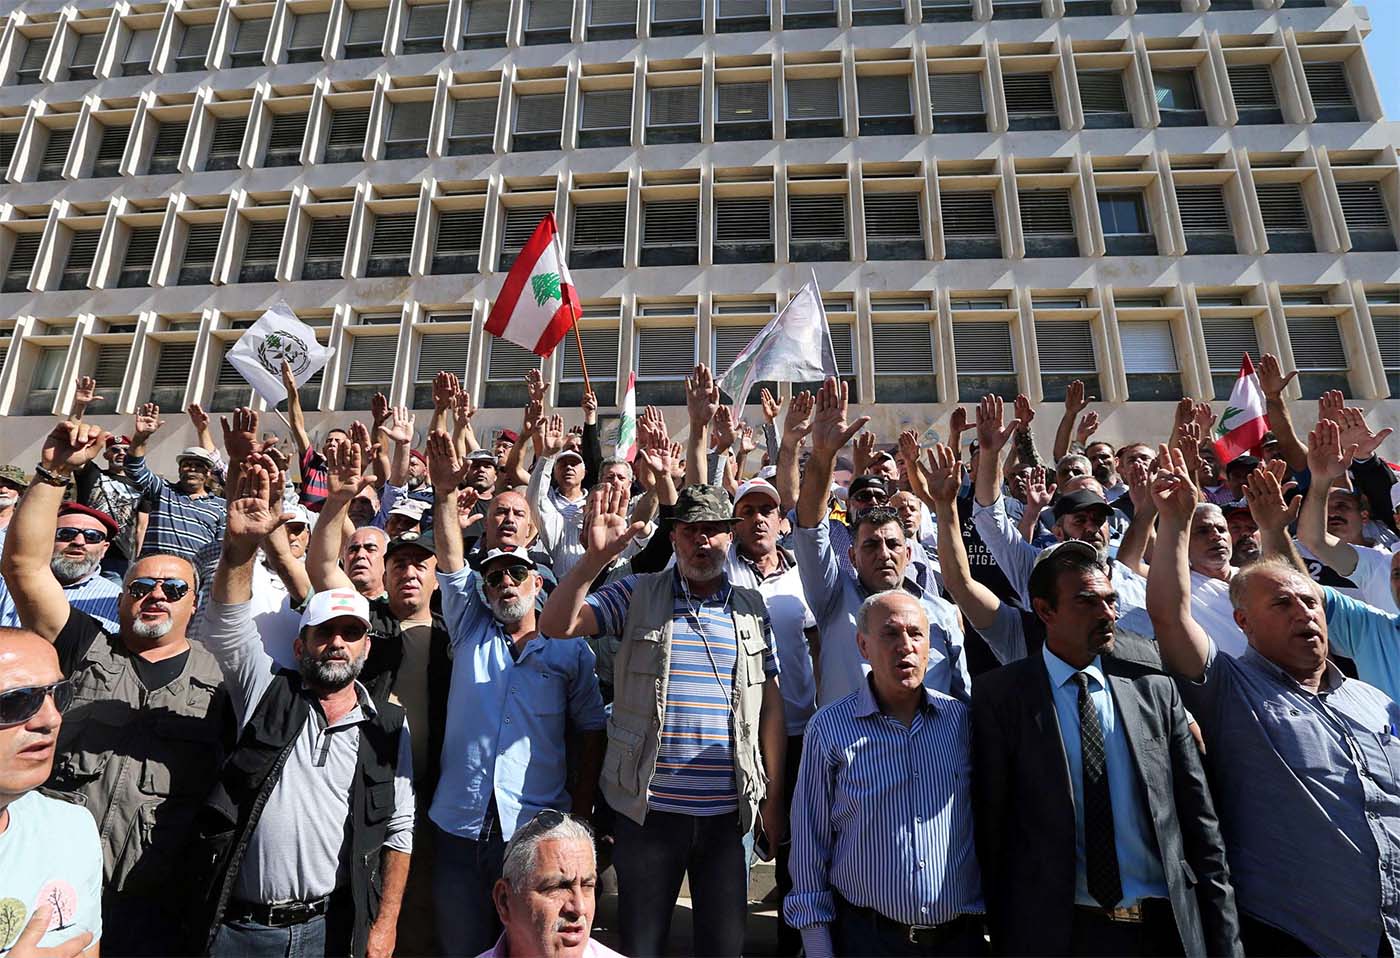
pixel 50 854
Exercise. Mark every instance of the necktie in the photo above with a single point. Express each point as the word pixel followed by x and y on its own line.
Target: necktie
pixel 1100 849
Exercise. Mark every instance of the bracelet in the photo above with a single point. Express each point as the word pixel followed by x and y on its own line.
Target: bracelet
pixel 46 475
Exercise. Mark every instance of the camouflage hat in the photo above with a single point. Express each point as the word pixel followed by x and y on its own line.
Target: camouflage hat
pixel 702 503
pixel 14 475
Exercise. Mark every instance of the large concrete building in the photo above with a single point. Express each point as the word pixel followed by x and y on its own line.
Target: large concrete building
pixel 993 194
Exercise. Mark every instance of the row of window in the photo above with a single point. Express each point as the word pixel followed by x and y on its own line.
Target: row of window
pixel 1019 208
pixel 868 93
pixel 1128 344
pixel 87 44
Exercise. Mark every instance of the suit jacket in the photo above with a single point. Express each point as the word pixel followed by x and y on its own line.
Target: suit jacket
pixel 1024 805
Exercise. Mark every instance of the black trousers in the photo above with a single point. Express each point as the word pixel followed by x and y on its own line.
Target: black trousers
pixel 1264 940
pixel 789 938
pixel 1095 934
pixel 860 931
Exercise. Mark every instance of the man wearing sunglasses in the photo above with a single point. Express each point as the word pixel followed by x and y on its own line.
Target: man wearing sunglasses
pixel 80 543
pixel 145 738
pixel 188 516
pixel 50 856
pixel 516 698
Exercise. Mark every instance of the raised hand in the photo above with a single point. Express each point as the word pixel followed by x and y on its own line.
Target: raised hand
pixel 1024 411
pixel 85 392
pixel 445 470
pixel 1271 378
pixel 589 405
pixel 797 424
pixel 268 447
pixel 399 428
pixel 345 470
pixel 1076 398
pixel 1328 459
pixel 1355 433
pixel 198 417
pixel 771 406
pixel 1330 405
pixel 289 379
pixel 534 416
pixel 864 452
pixel 360 438
pixel 1039 492
pixel 1264 491
pixel 747 442
pixel 701 396
pixel 534 384
pixel 554 435
pixel 379 409
pixel 722 429
pixel 991 435
pixel 606 531
pixel 957 425
pixel 71 444
pixel 1204 417
pixel 463 409
pixel 830 430
pixel 942 474
pixel 677 460
pixel 1172 490
pixel 240 435
pixel 651 428
pixel 148 423
pixel 1088 425
pixel 255 511
pixel 1139 479
pixel 445 390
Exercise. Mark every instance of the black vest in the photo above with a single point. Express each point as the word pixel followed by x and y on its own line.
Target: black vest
pixel 253 770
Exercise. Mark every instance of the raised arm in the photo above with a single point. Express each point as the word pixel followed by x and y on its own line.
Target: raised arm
pixel 1264 490
pixel 1184 644
pixel 1327 461
pixel 445 390
pixel 344 478
pixel 84 395
pixel 296 419
pixel 830 433
pixel 24 562
pixel 590 442
pixel 512 473
pixel 146 424
pixel 796 425
pixel 992 437
pixel 1137 540
pixel 446 471
pixel 1025 449
pixel 1039 495
pixel 702 405
pixel 1075 401
pixel 398 429
pixel 463 436
pixel 1272 382
pixel 606 533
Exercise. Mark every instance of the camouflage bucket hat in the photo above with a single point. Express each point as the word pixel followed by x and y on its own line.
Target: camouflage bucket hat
pixel 702 503
pixel 15 476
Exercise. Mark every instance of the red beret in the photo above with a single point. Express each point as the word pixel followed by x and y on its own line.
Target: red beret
pixel 115 440
pixel 76 508
pixel 509 435
pixel 419 456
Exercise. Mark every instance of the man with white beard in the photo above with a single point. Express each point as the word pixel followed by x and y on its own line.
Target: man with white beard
pixel 515 698
pixel 12 486
pixel 80 544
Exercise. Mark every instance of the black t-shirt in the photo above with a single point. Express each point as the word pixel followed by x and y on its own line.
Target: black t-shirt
pixel 82 630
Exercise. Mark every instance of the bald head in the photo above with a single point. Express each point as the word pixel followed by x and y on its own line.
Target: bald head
pixel 508 521
pixel 892 633
pixel 27 746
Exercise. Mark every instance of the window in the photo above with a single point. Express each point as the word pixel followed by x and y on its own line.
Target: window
pixel 261 251
pixel 506 367
pixel 83 65
pixel 458 244
pixel 1206 220
pixel 473 128
pixel 738 16
pixel 82 248
pixel 865 12
pixel 1047 223
pixel 548 21
pixel 226 142
pixel 1066 353
pixel 956 100
pixel 391 244
pixel 438 352
pixel 814 107
pixel 670 232
pixel 325 248
pixel 110 150
pixel 409 122
pixel 520 224
pixel 345 142
pixel 45 380
pixel 1088 8
pixel 612 19
pixel 1126 227
pixel 599 233
pixel 605 118
pixel 904 369
pixel 1367 222
pixel 22 256
pixel 673 114
pixel 201 248
pixel 284 140
pixel 671 18
pixel 600 352
pixel 743 229
pixel 970 225
pixel 137 59
pixel 172 374
pixel 1104 101
pixel 742 111
pixel 1178 101
pixel 1318 355
pixel 894 226
pixel 1331 94
pixel 308 35
pixel 194 47
pixel 1227 341
pixel 55 154
pixel 1149 359
pixel 249 42
pixel 364 37
pixel 665 356
pixel 539 119
pixel 141 243
pixel 169 143
pixel 1030 101
pixel 9 141
pixel 817 225
pixel 946 11
pixel 31 62
pixel 1256 101
pixel 427 24
pixel 370 369
pixel 731 340
pixel 1285 218
pixel 486 22
pixel 109 369
pixel 805 14
pixel 1016 9
pixel 885 104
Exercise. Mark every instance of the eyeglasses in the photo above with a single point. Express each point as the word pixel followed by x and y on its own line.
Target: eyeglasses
pixel 22 704
pixel 91 536
pixel 869 495
pixel 517 573
pixel 174 589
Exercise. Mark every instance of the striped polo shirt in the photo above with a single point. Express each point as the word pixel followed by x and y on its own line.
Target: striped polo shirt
pixel 313 480
pixel 695 764
pixel 181 525
pixel 96 595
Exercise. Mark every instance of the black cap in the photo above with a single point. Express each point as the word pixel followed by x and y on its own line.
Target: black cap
pixel 867 482
pixel 1246 462
pixel 1078 501
pixel 417 540
pixel 1239 505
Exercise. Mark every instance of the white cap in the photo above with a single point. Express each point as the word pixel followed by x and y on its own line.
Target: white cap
pixel 197 452
pixel 299 514
pixel 760 486
pixel 412 508
pixel 324 606
pixel 570 454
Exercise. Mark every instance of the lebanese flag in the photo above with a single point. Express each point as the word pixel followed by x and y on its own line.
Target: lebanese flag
pixel 1242 425
pixel 627 426
pixel 538 303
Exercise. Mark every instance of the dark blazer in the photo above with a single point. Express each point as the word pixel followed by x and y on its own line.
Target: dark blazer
pixel 1024 806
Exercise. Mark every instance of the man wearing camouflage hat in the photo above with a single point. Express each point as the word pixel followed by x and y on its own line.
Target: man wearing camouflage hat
pixel 12 485
pixel 697 717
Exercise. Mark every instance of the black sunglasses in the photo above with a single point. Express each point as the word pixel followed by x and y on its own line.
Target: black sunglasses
pixel 91 536
pixel 174 589
pixel 868 495
pixel 517 573
pixel 21 705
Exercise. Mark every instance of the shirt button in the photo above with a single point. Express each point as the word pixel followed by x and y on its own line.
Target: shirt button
pixel 921 863
pixel 924 909
pixel 507 719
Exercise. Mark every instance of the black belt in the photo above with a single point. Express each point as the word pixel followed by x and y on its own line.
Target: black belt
pixel 915 934
pixel 1133 914
pixel 277 914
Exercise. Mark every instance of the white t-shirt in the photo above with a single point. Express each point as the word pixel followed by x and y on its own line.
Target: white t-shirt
pixel 50 853
pixel 273 616
pixel 1369 582
pixel 790 616
pixel 1211 608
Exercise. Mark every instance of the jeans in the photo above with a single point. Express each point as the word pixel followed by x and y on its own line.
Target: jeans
pixel 465 871
pixel 653 859
pixel 245 939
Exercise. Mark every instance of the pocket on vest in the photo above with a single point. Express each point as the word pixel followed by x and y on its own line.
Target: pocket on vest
pixel 754 649
pixel 622 762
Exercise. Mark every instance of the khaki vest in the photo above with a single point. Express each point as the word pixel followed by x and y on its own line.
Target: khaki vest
pixel 142 762
pixel 639 703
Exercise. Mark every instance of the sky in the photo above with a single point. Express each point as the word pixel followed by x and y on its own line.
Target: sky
pixel 1383 50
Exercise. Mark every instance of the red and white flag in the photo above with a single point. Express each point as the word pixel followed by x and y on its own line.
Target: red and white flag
pixel 1242 425
pixel 627 425
pixel 538 303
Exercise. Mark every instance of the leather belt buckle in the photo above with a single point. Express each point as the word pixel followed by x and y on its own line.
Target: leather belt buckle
pixel 1131 914
pixel 917 933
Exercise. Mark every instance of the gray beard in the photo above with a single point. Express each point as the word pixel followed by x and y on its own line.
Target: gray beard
pixel 152 630
pixel 329 674
pixel 67 571
pixel 510 612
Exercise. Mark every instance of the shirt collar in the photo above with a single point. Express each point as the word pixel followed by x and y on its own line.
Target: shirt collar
pixel 783 563
pixel 1332 677
pixel 866 705
pixel 1062 672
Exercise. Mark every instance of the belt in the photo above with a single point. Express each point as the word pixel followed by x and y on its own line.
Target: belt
pixel 914 934
pixel 1134 914
pixel 277 914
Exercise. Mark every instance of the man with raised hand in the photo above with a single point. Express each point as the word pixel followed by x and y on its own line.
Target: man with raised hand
pixel 144 742
pixel 1303 760
pixel 880 555
pixel 187 516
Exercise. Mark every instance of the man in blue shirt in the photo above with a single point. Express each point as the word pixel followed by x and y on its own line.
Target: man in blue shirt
pixel 515 697
pixel 1121 853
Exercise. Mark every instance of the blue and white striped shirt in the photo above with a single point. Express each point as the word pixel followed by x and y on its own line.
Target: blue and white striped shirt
pixel 882 816
pixel 181 525
pixel 95 595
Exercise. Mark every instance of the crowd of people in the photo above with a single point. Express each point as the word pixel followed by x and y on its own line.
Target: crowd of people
pixel 411 692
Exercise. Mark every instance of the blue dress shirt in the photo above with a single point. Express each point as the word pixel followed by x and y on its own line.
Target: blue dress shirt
pixel 1139 865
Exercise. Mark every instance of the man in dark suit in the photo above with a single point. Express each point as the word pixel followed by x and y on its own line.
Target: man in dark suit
pixel 1095 826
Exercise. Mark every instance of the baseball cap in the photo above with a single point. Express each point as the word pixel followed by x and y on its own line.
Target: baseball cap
pixel 332 604
pixel 412 508
pixel 885 454
pixel 299 514
pixel 1042 568
pixel 417 540
pixel 78 509
pixel 703 503
pixel 867 483
pixel 569 454
pixel 760 486
pixel 1080 500
pixel 481 455
pixel 1246 462
pixel 504 552
pixel 14 475
pixel 1242 505
pixel 198 453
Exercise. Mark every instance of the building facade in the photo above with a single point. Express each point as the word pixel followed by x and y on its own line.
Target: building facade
pixel 997 195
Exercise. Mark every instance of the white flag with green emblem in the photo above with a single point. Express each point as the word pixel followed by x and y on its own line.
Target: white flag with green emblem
pixel 538 304
pixel 794 348
pixel 277 335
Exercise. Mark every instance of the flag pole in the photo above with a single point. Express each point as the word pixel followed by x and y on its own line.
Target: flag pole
pixel 583 363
